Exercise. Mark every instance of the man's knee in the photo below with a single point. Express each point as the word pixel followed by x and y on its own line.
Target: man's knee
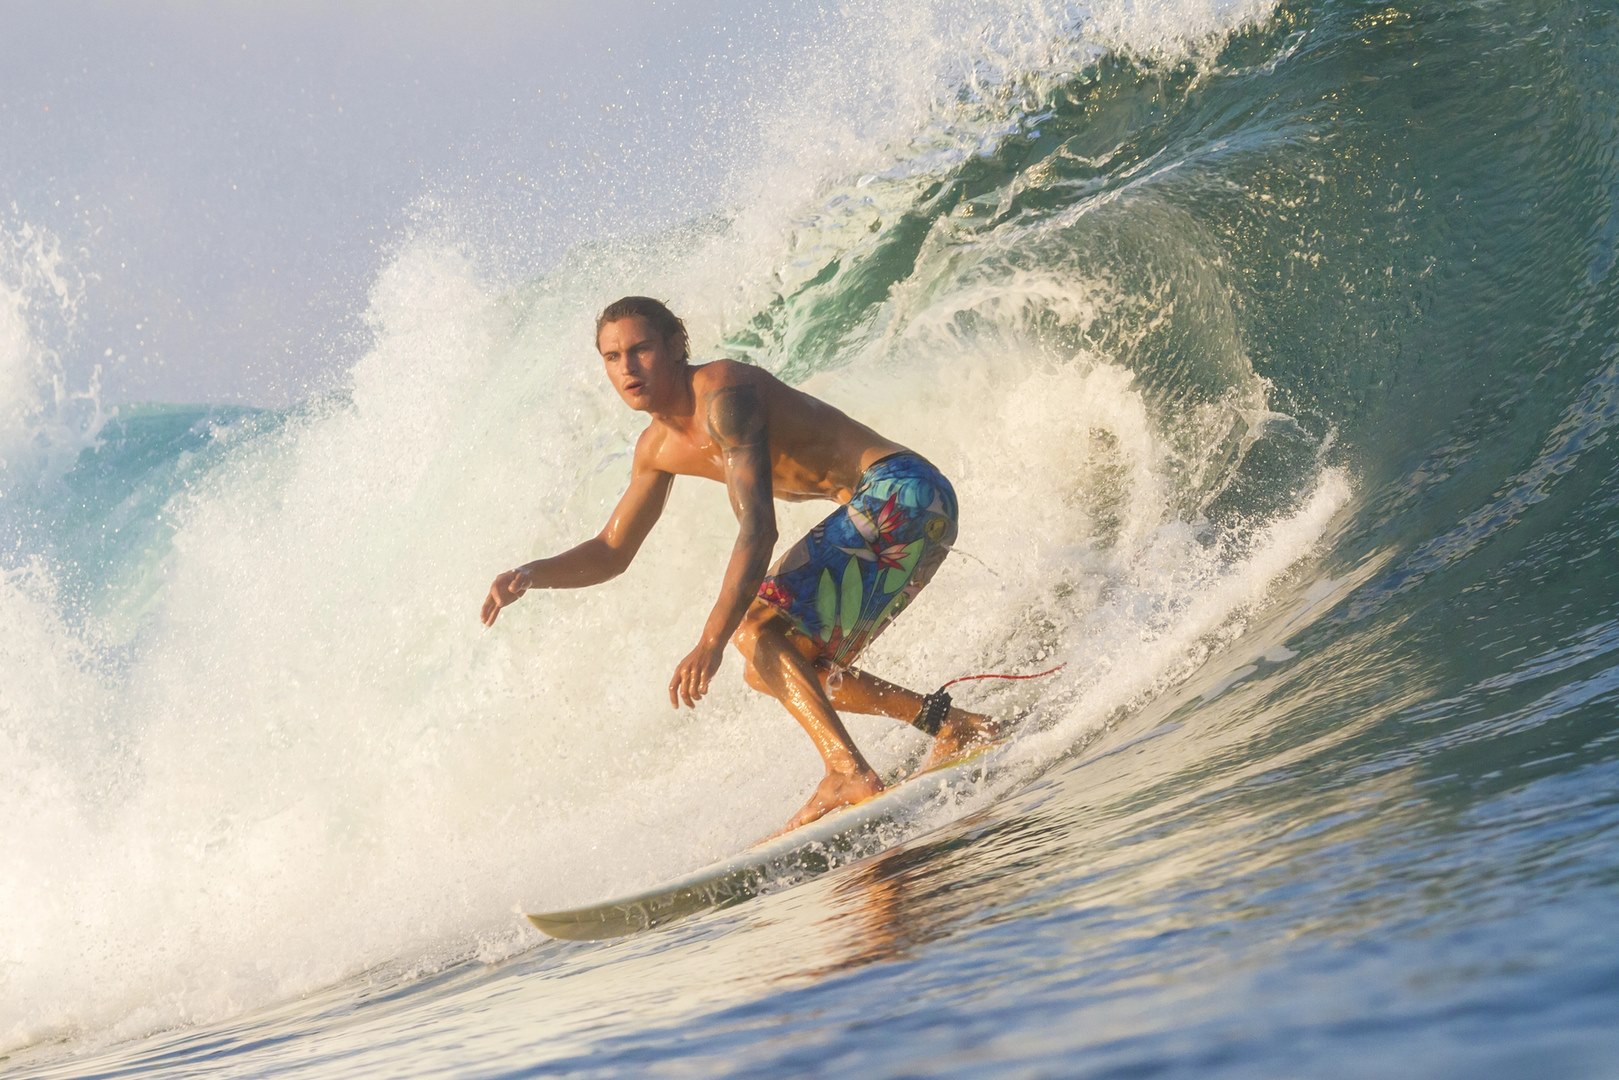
pixel 750 642
pixel 752 630
pixel 754 678
pixel 764 639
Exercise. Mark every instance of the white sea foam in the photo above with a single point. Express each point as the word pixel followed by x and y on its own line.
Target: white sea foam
pixel 45 419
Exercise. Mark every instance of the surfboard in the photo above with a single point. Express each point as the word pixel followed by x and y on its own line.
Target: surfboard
pixel 841 837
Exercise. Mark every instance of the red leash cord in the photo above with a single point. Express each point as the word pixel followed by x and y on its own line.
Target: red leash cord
pixel 972 678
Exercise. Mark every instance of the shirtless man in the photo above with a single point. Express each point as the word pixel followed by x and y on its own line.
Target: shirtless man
pixel 800 626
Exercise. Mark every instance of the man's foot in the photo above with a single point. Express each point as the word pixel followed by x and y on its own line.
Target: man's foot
pixel 835 791
pixel 961 731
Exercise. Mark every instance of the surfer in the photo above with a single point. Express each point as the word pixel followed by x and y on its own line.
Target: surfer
pixel 800 623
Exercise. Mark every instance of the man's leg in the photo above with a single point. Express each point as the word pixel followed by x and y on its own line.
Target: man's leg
pixel 861 692
pixel 776 666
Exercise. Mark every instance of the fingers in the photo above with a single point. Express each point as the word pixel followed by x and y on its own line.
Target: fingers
pixel 680 689
pixel 689 685
pixel 506 588
pixel 679 692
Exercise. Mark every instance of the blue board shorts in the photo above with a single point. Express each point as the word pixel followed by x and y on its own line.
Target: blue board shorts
pixel 847 579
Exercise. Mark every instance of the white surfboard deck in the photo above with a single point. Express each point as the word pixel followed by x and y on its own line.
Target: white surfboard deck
pixel 839 838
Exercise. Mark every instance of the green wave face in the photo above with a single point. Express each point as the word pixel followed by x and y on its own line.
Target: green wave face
pixel 1353 216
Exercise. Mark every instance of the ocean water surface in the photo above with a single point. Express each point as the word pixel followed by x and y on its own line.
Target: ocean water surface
pixel 1273 350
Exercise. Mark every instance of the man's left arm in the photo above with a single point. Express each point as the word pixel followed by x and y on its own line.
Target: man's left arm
pixel 736 421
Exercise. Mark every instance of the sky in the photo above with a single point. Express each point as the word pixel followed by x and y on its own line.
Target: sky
pixel 226 179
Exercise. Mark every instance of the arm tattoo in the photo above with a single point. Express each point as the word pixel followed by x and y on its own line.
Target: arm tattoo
pixel 735 418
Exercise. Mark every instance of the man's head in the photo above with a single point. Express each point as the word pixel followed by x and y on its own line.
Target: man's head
pixel 643 346
pixel 657 315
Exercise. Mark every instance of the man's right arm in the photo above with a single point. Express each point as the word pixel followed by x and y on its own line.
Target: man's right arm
pixel 602 557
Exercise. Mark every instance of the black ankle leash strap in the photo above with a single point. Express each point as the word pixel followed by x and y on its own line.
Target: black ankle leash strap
pixel 930 717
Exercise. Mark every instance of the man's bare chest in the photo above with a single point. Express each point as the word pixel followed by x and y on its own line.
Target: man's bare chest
pixel 690 456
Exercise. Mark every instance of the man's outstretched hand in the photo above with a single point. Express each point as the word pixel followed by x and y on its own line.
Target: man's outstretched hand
pixel 506 589
pixel 691 676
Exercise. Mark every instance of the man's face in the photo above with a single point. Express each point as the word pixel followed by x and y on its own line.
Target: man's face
pixel 644 367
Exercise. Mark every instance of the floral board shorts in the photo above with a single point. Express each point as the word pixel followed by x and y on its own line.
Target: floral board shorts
pixel 846 580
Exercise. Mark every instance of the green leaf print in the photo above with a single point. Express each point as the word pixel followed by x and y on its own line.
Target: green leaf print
pixel 853 594
pixel 826 604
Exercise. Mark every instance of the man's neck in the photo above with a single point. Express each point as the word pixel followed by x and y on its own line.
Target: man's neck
pixel 678 413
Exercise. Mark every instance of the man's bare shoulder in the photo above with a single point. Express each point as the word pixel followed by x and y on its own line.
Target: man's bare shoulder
pixel 719 374
pixel 732 402
pixel 648 445
pixel 735 384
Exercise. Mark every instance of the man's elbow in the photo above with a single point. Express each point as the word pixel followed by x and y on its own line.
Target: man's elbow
pixel 611 559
